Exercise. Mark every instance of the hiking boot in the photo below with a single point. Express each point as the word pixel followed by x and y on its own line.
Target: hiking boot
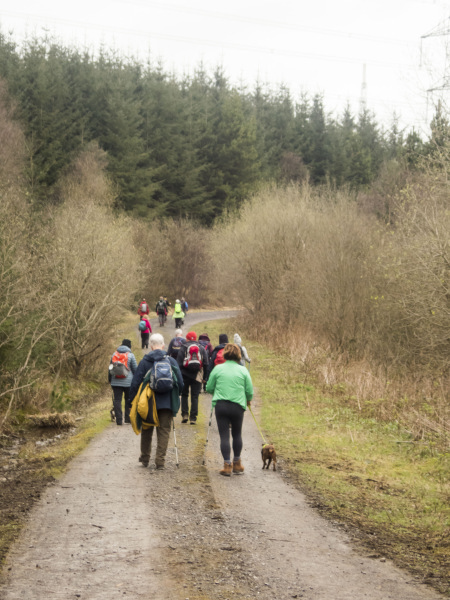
pixel 226 471
pixel 184 419
pixel 192 422
pixel 238 469
pixel 144 463
pixel 160 467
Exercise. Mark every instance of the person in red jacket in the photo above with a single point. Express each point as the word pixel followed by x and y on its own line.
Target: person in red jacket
pixel 145 333
pixel 144 308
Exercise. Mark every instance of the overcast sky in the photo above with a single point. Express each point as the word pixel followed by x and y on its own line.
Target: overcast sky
pixel 318 46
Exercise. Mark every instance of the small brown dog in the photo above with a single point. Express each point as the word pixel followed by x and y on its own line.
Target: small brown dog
pixel 268 454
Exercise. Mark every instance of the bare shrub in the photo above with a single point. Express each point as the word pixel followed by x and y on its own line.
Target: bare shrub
pixel 414 314
pixel 257 256
pixel 175 256
pixel 86 271
pixel 359 306
pixel 301 257
pixel 21 324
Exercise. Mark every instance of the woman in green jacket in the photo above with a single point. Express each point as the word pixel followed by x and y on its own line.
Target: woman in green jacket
pixel 232 389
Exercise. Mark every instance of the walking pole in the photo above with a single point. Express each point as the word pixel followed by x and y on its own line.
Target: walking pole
pixel 175 443
pixel 112 412
pixel 207 435
pixel 265 443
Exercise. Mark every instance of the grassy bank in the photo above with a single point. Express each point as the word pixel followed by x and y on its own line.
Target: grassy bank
pixel 393 489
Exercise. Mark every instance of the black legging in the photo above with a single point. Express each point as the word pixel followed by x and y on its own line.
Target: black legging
pixel 229 413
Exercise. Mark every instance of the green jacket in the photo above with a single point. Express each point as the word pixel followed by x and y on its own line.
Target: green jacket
pixel 230 381
pixel 177 312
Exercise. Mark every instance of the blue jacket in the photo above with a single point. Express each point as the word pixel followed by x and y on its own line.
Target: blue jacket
pixel 163 400
pixel 132 366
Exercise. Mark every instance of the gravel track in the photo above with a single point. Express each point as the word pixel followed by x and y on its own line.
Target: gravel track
pixel 113 529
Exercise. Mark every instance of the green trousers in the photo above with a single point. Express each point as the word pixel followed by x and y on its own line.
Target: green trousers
pixel 162 438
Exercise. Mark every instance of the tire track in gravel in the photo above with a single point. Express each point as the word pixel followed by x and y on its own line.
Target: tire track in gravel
pixel 113 529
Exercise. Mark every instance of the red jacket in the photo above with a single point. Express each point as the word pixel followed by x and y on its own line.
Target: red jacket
pixel 143 312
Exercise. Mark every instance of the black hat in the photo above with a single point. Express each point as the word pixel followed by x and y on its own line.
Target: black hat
pixel 126 343
pixel 223 338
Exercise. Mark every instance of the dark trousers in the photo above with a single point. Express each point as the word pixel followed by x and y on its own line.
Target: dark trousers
pixel 178 322
pixel 229 413
pixel 195 387
pixel 144 338
pixel 118 393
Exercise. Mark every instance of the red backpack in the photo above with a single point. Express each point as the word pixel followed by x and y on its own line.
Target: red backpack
pixel 219 360
pixel 119 365
pixel 193 359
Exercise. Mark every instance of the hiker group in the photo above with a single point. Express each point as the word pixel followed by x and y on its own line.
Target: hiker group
pixel 162 310
pixel 154 390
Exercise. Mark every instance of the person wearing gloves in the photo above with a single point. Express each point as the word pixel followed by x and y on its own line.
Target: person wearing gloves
pixel 120 375
pixel 232 389
pixel 243 349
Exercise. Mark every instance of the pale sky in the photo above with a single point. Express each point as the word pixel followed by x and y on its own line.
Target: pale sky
pixel 319 46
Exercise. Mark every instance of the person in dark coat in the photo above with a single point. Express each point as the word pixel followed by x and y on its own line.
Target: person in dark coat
pixel 163 403
pixel 192 379
pixel 206 343
pixel 223 341
pixel 121 385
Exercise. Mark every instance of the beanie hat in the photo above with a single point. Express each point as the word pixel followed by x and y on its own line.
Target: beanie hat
pixel 191 336
pixel 237 339
pixel 223 338
pixel 126 343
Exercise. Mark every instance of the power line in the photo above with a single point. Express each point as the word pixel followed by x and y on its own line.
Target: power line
pixel 196 41
pixel 264 22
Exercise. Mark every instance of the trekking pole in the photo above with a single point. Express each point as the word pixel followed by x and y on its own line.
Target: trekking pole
pixel 263 439
pixel 175 443
pixel 207 435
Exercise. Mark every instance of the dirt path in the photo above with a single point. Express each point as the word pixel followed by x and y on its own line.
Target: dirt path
pixel 112 529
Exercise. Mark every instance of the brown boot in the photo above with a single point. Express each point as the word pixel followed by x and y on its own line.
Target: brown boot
pixel 238 469
pixel 226 471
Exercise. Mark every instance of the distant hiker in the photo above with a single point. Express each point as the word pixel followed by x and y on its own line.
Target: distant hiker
pixel 178 314
pixel 144 308
pixel 193 362
pixel 232 389
pixel 145 329
pixel 120 375
pixel 204 340
pixel 243 349
pixel 161 309
pixel 217 354
pixel 163 402
pixel 168 305
pixel 175 344
pixel 184 307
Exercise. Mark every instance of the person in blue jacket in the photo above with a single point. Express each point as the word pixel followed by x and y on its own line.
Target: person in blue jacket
pixel 163 402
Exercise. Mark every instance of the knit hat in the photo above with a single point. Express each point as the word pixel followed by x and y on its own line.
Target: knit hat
pixel 223 338
pixel 191 336
pixel 237 339
pixel 126 343
pixel 204 337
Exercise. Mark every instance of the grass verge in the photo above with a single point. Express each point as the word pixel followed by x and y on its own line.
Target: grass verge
pixel 392 490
